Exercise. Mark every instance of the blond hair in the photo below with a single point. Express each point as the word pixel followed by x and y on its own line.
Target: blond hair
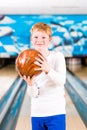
pixel 42 27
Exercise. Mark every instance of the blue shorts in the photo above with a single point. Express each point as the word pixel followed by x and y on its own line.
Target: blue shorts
pixel 57 122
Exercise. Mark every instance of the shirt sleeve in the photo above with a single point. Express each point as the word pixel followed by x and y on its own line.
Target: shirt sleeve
pixel 33 91
pixel 58 73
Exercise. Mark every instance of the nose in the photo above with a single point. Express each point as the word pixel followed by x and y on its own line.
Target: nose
pixel 40 39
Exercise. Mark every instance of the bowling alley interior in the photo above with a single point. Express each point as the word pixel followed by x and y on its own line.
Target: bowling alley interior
pixel 69 36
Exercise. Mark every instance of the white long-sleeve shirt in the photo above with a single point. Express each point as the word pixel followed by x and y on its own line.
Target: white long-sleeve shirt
pixel 47 94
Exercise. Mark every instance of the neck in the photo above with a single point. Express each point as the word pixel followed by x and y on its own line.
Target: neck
pixel 45 52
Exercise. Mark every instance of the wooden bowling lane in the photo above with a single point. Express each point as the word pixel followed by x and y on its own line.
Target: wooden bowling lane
pixel 73 120
pixel 80 71
pixel 24 121
pixel 7 76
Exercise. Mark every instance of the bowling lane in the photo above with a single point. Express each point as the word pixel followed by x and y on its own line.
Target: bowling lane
pixel 24 120
pixel 73 120
pixel 7 76
pixel 80 71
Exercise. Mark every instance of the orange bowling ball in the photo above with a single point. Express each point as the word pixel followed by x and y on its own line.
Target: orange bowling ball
pixel 25 63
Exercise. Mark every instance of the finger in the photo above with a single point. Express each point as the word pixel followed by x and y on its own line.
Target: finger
pixel 33 76
pixel 38 69
pixel 20 74
pixel 24 77
pixel 37 63
pixel 28 77
pixel 39 60
pixel 42 57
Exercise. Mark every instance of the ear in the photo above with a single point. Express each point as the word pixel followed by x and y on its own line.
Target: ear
pixel 50 39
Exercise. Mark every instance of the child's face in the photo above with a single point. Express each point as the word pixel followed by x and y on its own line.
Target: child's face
pixel 40 40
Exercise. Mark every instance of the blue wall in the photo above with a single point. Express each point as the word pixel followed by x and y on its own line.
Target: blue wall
pixel 69 32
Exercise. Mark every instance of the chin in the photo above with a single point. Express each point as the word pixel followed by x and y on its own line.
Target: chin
pixel 39 48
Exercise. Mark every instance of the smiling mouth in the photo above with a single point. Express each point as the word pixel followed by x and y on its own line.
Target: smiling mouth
pixel 39 44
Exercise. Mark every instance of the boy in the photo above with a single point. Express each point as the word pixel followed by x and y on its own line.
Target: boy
pixel 47 89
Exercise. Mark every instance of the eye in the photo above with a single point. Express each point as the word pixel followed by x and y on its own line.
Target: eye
pixel 35 37
pixel 43 37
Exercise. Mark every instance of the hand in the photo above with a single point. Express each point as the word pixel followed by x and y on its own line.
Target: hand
pixel 29 81
pixel 43 63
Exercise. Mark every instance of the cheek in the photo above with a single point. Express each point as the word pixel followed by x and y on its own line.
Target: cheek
pixel 33 41
pixel 48 41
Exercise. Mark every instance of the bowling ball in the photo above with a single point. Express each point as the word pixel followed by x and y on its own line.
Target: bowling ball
pixel 25 63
